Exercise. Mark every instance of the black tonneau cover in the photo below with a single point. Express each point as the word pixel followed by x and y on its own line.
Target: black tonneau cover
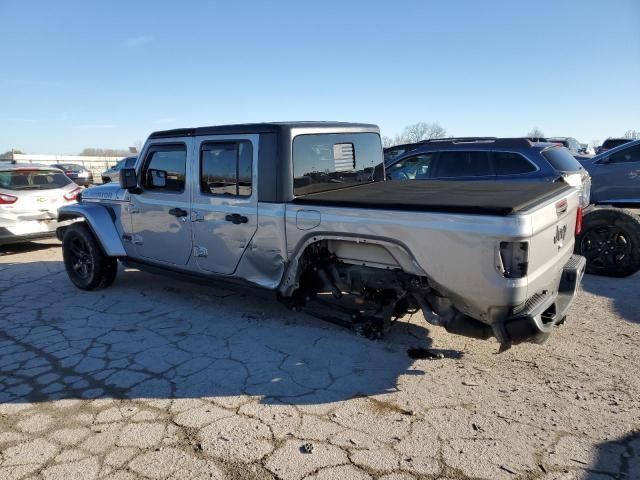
pixel 472 197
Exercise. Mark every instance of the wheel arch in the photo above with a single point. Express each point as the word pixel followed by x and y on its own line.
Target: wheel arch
pixel 393 249
pixel 100 221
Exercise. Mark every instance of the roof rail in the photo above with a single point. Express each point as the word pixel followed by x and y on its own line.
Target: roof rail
pixel 498 142
pixel 458 139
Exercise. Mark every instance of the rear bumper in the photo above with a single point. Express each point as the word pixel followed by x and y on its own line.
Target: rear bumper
pixel 545 310
pixel 29 230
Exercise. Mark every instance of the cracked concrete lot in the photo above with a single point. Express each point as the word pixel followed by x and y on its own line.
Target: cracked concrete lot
pixel 159 378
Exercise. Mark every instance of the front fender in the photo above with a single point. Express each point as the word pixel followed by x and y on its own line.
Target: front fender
pixel 100 222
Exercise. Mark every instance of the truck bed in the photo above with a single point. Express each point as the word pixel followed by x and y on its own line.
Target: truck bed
pixel 484 197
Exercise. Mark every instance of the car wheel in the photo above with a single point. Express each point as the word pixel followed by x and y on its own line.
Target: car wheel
pixel 610 241
pixel 87 266
pixel 106 179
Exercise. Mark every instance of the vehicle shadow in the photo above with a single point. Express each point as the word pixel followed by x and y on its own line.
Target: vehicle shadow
pixel 25 247
pixel 154 337
pixel 619 458
pixel 623 292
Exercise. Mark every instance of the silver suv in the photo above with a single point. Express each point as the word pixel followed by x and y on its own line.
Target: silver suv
pixel 113 173
pixel 30 196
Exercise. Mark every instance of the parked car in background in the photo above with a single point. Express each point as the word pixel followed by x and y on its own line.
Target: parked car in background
pixel 570 143
pixel 488 158
pixel 30 196
pixel 610 143
pixel 588 149
pixel 610 238
pixel 80 175
pixel 113 173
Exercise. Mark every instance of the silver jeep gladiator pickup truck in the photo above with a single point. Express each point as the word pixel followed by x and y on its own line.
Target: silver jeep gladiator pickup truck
pixel 292 207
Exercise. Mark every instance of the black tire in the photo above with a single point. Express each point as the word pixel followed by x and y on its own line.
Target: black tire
pixel 610 241
pixel 86 264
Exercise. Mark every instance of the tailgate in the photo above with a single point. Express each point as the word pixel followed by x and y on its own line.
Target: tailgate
pixel 551 245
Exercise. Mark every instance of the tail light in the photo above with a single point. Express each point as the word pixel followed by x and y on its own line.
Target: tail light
pixel 579 221
pixel 513 259
pixel 7 199
pixel 72 195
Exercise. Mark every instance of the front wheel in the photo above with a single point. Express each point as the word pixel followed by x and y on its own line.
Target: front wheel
pixel 610 241
pixel 87 266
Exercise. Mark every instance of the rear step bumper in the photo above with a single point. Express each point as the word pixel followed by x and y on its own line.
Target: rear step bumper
pixel 546 310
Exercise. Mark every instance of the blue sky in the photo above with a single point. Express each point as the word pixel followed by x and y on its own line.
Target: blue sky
pixel 81 74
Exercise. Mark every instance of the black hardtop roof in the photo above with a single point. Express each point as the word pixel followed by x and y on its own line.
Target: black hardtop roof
pixel 268 127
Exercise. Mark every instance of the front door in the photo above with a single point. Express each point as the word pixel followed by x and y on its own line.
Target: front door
pixel 160 214
pixel 225 205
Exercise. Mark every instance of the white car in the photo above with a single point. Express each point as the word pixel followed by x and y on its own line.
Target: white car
pixel 30 196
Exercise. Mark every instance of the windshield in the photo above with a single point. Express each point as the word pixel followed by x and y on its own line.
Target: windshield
pixel 561 159
pixel 324 162
pixel 70 166
pixel 32 179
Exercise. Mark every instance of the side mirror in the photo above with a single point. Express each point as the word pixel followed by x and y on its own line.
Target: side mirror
pixel 156 178
pixel 128 178
pixel 605 160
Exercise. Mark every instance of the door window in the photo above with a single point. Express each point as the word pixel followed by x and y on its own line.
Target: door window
pixel 631 154
pixel 171 159
pixel 412 168
pixel 226 168
pixel 508 163
pixel 464 164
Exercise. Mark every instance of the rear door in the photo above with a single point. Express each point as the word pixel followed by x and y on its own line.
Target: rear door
pixel 225 200
pixel 461 165
pixel 160 215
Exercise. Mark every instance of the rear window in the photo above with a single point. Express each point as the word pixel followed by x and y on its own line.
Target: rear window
pixel 561 159
pixel 330 161
pixel 32 179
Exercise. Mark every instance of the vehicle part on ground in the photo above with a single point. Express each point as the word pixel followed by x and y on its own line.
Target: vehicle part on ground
pixel 610 241
pixel 87 265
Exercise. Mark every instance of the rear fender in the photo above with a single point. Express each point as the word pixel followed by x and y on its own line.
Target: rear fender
pixel 101 223
pixel 396 256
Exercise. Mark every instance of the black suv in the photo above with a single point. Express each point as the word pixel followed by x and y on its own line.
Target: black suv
pixel 488 158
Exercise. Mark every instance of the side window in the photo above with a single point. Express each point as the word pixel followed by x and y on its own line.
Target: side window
pixel 463 164
pixel 412 168
pixel 631 154
pixel 507 163
pixel 225 168
pixel 171 159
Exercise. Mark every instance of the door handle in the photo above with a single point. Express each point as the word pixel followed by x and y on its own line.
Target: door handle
pixel 236 218
pixel 178 212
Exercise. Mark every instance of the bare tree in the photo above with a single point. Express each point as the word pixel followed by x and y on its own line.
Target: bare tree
pixel 9 154
pixel 632 134
pixel 422 131
pixel 104 152
pixel 535 133
pixel 138 145
pixel 414 133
